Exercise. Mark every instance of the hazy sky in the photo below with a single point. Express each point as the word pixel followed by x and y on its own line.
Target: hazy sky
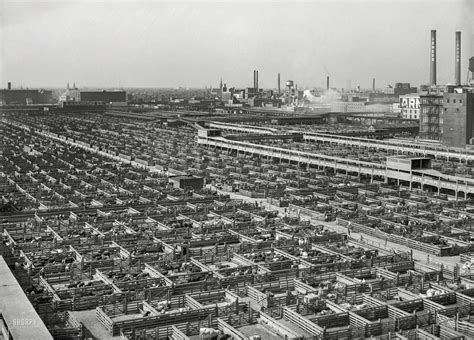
pixel 168 44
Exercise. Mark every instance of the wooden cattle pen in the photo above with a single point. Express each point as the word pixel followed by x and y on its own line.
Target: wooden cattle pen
pixel 115 222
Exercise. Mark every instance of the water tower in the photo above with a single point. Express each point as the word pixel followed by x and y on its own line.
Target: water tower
pixel 290 91
pixel 470 73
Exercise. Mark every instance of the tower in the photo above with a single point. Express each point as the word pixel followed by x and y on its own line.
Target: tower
pixel 433 58
pixel 279 83
pixel 256 83
pixel 457 59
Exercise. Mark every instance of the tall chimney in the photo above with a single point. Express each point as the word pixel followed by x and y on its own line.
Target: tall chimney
pixel 433 58
pixel 256 72
pixel 278 83
pixel 258 85
pixel 457 59
pixel 254 79
pixel 9 85
pixel 327 83
pixel 373 84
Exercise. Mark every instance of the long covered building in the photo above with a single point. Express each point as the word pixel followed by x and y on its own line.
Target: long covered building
pixel 111 97
pixel 25 96
pixel 416 171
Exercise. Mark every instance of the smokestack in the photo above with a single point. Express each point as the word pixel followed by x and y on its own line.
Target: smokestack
pixel 457 59
pixel 433 58
pixel 327 83
pixel 256 72
pixel 9 85
pixel 373 84
pixel 254 79
pixel 278 83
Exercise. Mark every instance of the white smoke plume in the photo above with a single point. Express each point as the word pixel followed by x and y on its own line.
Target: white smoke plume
pixel 326 97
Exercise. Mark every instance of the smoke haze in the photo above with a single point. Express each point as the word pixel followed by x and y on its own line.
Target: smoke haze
pixel 169 44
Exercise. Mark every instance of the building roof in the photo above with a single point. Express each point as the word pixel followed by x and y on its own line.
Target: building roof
pixel 410 95
pixel 406 157
pixel 21 318
pixel 179 177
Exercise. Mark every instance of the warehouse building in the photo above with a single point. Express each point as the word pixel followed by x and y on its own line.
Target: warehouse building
pixel 11 96
pixel 109 97
pixel 116 96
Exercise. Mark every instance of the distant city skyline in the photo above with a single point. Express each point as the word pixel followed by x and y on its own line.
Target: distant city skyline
pixel 153 44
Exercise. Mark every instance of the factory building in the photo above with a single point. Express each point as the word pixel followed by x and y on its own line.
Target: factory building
pixel 410 106
pixel 104 96
pixel 346 107
pixel 400 89
pixel 111 97
pixel 251 92
pixel 392 94
pixel 11 96
pixel 457 118
pixel 265 102
pixel 447 112
pixel 383 98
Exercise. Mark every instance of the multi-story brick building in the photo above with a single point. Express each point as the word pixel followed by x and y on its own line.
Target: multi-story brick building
pixel 457 118
pixel 410 106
